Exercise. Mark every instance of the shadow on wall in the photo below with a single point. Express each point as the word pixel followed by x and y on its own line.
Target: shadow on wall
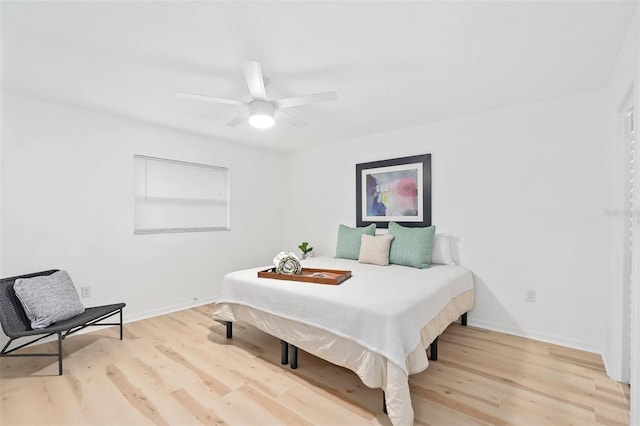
pixel 483 295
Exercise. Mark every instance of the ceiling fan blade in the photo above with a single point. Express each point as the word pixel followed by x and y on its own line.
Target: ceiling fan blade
pixel 209 99
pixel 255 80
pixel 294 121
pixel 238 120
pixel 307 99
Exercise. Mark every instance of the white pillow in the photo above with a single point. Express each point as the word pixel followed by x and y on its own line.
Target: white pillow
pixel 441 252
pixel 375 249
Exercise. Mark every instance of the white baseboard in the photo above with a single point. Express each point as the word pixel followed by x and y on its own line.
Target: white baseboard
pixel 167 309
pixel 543 337
pixel 130 318
pixel 548 338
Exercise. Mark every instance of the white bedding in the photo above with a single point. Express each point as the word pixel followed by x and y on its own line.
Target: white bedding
pixel 378 318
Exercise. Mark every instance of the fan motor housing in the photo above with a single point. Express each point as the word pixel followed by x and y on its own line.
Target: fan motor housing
pixel 259 107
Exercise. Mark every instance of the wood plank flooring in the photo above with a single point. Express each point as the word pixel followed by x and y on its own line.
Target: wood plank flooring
pixel 179 369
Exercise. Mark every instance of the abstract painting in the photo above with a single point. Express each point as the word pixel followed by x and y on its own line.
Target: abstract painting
pixel 396 190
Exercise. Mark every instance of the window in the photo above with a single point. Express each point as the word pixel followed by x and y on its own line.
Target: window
pixel 176 196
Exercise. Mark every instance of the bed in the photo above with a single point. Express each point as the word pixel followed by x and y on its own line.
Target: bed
pixel 378 323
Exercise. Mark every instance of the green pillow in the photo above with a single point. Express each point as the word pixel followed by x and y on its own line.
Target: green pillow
pixel 349 240
pixel 411 246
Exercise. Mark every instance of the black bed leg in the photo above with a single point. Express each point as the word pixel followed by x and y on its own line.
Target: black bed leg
pixel 463 319
pixel 294 357
pixel 434 349
pixel 384 403
pixel 59 353
pixel 229 325
pixel 284 352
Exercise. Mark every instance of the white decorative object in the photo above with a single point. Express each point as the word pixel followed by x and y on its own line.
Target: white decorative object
pixel 287 263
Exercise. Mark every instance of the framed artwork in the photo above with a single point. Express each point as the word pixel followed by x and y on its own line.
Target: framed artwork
pixel 396 190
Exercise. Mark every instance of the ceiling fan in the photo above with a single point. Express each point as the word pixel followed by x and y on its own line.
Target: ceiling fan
pixel 261 112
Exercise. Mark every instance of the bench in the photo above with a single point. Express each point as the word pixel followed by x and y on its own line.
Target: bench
pixel 16 324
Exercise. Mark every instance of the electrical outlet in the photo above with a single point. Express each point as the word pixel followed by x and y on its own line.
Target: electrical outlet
pixel 85 291
pixel 530 296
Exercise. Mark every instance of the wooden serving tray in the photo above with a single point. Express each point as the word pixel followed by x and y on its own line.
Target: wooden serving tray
pixel 309 275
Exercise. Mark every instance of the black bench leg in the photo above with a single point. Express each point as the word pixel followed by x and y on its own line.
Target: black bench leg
pixel 229 325
pixel 463 320
pixel 120 323
pixel 384 403
pixel 284 352
pixel 434 349
pixel 294 357
pixel 59 353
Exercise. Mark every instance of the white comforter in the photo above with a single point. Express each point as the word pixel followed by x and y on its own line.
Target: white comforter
pixel 381 308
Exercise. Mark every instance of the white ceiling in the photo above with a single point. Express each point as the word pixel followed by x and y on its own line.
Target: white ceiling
pixel 394 64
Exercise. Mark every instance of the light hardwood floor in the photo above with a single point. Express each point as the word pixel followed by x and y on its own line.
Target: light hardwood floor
pixel 179 369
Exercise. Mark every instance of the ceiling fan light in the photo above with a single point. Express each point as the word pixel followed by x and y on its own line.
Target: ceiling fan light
pixel 261 114
pixel 261 121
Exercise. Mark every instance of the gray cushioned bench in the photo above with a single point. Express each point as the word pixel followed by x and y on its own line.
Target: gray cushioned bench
pixel 15 323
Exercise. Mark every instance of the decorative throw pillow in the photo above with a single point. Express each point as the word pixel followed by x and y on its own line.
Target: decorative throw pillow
pixel 375 249
pixel 349 240
pixel 48 299
pixel 411 246
pixel 441 253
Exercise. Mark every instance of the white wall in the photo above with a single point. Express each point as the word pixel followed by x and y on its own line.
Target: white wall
pixel 67 202
pixel 524 190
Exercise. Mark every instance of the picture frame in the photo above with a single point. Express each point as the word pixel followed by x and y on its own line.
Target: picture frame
pixel 395 190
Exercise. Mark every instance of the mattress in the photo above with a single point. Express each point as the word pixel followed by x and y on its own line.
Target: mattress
pixel 378 323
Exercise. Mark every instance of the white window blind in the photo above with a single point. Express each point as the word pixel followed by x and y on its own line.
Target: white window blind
pixel 176 196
